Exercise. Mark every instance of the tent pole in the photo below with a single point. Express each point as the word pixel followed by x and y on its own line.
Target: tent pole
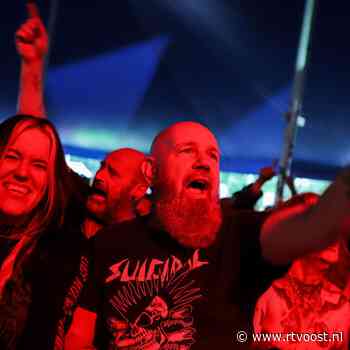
pixel 294 113
pixel 51 26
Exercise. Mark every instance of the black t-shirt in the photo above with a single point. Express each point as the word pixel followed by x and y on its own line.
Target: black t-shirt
pixel 151 292
pixel 12 315
pixel 54 266
pixel 76 282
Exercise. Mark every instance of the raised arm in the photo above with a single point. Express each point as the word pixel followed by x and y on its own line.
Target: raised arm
pixel 295 231
pixel 32 45
pixel 265 174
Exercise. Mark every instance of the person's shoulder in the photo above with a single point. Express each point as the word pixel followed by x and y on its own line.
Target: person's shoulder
pixel 245 224
pixel 245 216
pixel 63 236
pixel 127 225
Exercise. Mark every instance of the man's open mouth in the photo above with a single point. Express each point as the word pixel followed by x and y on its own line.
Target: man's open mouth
pixel 199 185
pixel 98 192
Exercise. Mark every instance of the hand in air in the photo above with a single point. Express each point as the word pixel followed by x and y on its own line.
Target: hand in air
pixel 268 172
pixel 31 38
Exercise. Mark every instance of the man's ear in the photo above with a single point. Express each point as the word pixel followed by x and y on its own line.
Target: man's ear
pixel 148 170
pixel 138 192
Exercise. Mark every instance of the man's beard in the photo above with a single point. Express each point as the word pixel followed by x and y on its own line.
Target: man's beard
pixel 110 212
pixel 96 214
pixel 102 213
pixel 192 222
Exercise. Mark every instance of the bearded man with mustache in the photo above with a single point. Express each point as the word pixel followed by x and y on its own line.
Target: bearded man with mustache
pixel 193 222
pixel 180 277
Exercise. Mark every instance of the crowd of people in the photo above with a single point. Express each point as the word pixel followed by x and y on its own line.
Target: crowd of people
pixel 148 257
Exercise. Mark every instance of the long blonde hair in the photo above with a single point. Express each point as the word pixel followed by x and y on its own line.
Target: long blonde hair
pixel 49 213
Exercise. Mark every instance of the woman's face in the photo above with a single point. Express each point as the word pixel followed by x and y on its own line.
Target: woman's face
pixel 24 173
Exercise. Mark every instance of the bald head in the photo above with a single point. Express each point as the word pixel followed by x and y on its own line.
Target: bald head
pixel 128 161
pixel 118 181
pixel 187 131
pixel 124 153
pixel 186 182
pixel 183 148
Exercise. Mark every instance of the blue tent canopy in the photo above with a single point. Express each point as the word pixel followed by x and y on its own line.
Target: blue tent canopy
pixel 121 71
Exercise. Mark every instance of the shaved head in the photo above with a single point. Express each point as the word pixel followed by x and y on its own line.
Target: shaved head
pixel 123 153
pixel 115 184
pixel 186 183
pixel 130 160
pixel 163 142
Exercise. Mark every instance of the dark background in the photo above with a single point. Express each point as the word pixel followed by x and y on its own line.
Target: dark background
pixel 119 71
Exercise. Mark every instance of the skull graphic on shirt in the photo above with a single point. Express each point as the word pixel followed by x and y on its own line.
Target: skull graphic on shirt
pixel 156 327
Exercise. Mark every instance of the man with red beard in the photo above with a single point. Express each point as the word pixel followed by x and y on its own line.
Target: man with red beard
pixel 186 182
pixel 177 278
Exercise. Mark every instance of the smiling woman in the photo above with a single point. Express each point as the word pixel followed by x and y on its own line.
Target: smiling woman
pixel 34 190
pixel 24 173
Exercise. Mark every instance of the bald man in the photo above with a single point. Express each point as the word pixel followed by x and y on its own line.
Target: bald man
pixel 118 187
pixel 172 280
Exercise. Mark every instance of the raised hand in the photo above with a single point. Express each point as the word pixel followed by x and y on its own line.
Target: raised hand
pixel 31 38
pixel 268 172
